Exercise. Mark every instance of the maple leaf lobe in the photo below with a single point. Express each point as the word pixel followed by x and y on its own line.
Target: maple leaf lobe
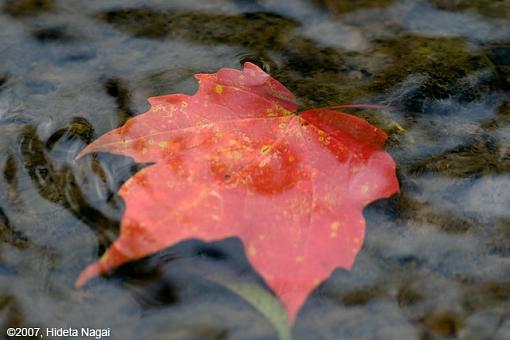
pixel 232 160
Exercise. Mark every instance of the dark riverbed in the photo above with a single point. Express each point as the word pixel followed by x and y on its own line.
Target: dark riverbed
pixel 436 260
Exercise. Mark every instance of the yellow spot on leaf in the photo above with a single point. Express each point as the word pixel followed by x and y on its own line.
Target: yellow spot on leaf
pixel 236 155
pixel 252 251
pixel 334 226
pixel 266 275
pixel 144 151
pixel 184 104
pixel 218 89
pixel 282 126
pixel 355 169
pixel 163 144
pixel 364 188
pixel 265 149
pixel 291 159
pixel 151 141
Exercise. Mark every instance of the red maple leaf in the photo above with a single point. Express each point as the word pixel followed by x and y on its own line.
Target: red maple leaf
pixel 236 160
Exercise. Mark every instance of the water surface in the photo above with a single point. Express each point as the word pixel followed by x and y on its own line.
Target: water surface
pixel 435 262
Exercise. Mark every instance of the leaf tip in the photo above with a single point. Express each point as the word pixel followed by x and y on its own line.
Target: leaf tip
pixel 90 272
pixel 82 153
pixel 251 66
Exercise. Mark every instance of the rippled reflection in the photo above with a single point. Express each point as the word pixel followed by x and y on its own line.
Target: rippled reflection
pixel 435 262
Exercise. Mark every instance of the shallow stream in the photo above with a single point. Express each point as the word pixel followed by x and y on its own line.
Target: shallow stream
pixel 436 259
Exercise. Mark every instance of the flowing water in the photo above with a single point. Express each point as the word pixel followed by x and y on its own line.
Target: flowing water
pixel 436 260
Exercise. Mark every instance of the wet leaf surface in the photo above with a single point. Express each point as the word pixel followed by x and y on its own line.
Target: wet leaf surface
pixel 435 254
pixel 235 160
